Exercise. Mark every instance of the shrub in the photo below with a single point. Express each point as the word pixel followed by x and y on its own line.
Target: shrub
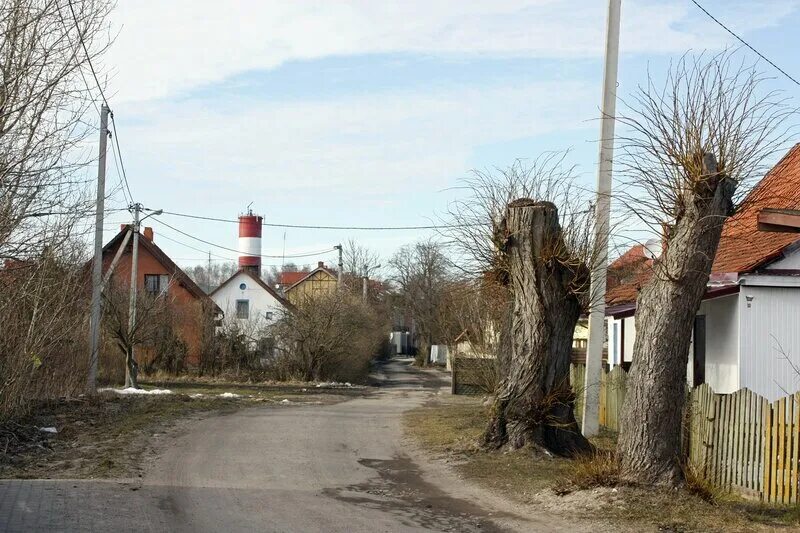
pixel 43 348
pixel 327 337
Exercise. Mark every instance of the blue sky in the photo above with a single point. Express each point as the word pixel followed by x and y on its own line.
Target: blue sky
pixel 369 113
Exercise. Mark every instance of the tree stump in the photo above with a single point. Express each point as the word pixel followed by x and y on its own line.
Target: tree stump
pixel 534 404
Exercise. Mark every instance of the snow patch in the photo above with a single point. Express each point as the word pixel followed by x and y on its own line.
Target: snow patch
pixel 285 401
pixel 196 395
pixel 229 395
pixel 48 430
pixel 333 385
pixel 131 390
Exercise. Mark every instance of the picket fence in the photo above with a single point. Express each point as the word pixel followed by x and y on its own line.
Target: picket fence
pixel 612 393
pixel 739 442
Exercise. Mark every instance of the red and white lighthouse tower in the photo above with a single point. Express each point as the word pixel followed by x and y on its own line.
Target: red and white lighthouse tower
pixel 250 242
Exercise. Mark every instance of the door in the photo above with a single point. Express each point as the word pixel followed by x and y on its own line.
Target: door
pixel 699 356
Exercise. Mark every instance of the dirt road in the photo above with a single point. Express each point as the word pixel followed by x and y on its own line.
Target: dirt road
pixel 285 468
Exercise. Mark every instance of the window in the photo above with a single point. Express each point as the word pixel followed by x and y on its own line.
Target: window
pixel 268 315
pixel 243 309
pixel 242 286
pixel 156 283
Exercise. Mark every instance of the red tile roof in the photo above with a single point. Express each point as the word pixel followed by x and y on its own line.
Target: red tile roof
pixel 742 248
pixel 290 278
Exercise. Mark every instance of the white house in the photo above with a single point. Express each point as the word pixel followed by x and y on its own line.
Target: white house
pixel 249 303
pixel 747 331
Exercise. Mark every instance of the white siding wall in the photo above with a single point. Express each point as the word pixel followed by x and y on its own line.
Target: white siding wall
pixel 260 300
pixel 722 343
pixel 771 323
pixel 630 336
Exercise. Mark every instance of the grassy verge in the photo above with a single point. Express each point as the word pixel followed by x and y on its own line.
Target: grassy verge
pixel 449 427
pixel 109 435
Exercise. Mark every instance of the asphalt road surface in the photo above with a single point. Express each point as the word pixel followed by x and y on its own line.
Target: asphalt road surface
pixel 314 468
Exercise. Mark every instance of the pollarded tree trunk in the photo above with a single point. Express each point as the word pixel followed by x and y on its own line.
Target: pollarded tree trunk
pixel 649 444
pixel 534 404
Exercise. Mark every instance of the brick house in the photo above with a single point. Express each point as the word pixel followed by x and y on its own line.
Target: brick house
pixel 159 275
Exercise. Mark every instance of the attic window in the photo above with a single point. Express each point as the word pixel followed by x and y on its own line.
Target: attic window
pixel 242 286
pixel 268 315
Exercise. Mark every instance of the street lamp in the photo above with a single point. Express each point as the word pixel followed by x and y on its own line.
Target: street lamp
pixel 364 280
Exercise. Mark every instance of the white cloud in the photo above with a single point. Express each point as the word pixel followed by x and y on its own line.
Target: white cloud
pixel 369 143
pixel 165 48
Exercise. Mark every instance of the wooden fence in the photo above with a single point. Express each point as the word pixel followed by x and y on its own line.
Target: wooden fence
pixel 739 442
pixel 473 375
pixel 612 393
pixel 745 444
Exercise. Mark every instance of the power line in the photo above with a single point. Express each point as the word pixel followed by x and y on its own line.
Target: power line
pixel 115 138
pixel 306 226
pixel 114 135
pixel 86 51
pixel 759 54
pixel 128 200
pixel 294 256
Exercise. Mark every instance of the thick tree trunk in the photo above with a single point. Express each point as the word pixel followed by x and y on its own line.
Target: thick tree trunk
pixel 534 404
pixel 649 444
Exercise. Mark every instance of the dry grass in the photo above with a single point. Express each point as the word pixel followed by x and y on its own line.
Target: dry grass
pixel 449 427
pixel 601 469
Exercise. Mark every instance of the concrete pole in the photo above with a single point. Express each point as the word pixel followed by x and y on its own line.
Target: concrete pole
pixel 97 262
pixel 134 274
pixel 597 325
pixel 341 267
pixel 364 288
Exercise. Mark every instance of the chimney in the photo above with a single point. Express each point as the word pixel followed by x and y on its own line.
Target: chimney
pixel 250 243
pixel 320 264
pixel 148 234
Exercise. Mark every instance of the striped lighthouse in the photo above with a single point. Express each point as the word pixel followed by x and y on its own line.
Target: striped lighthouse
pixel 250 242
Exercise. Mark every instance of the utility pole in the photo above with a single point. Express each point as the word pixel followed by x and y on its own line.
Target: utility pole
pixel 365 279
pixel 97 262
pixel 208 274
pixel 341 267
pixel 136 207
pixel 597 291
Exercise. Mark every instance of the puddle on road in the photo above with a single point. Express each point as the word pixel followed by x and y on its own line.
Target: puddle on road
pixel 400 490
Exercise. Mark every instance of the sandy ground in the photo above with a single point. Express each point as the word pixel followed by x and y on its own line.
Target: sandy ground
pixel 326 468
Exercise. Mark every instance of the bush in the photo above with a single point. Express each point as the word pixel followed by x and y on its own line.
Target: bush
pixel 328 337
pixel 43 348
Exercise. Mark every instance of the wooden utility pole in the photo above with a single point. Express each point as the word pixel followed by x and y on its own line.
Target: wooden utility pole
pixel 599 260
pixel 97 262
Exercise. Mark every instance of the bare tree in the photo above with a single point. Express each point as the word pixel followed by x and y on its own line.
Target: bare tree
pixel 153 313
pixel 43 103
pixel 692 148
pixel 423 274
pixel 513 232
pixel 358 258
pixel 43 106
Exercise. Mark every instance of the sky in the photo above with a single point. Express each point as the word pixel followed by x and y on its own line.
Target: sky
pixel 370 113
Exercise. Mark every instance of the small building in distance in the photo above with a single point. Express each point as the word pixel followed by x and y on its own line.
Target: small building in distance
pixel 318 282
